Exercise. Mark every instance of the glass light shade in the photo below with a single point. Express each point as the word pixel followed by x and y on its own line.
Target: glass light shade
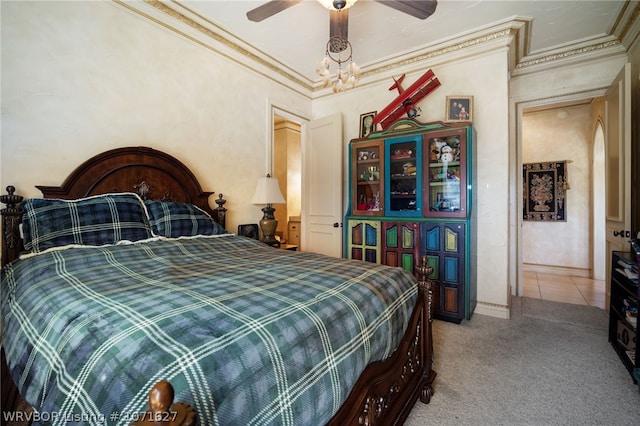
pixel 267 192
pixel 329 4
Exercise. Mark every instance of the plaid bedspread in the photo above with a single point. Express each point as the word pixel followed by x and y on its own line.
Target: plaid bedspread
pixel 247 334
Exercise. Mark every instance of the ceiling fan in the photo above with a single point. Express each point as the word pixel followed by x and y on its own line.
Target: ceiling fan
pixel 339 17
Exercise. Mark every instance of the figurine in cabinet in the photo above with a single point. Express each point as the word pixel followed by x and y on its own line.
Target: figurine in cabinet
pixel 446 154
pixel 436 147
pixel 408 169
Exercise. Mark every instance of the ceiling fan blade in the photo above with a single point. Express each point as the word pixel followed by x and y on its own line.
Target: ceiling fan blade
pixel 270 8
pixel 339 23
pixel 420 9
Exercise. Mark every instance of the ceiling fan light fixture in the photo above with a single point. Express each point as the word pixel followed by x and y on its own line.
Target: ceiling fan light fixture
pixel 337 4
pixel 338 48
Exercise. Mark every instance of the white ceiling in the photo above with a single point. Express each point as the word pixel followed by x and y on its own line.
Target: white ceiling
pixel 297 36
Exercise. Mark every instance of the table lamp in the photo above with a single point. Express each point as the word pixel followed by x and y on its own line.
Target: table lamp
pixel 268 192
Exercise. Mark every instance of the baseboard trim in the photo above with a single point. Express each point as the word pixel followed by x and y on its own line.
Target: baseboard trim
pixel 557 270
pixel 493 310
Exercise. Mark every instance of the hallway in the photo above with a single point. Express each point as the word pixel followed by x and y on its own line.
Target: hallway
pixel 564 288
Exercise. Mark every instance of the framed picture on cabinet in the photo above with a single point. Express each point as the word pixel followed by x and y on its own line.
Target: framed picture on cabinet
pixel 366 123
pixel 459 108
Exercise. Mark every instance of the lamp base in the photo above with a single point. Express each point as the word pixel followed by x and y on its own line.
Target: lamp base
pixel 268 225
pixel 271 240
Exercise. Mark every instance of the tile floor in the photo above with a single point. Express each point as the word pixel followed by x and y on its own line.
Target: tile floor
pixel 563 288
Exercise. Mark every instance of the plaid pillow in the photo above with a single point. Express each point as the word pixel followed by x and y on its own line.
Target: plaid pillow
pixel 95 221
pixel 173 219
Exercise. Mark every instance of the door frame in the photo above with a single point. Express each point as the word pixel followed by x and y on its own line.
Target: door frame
pixel 515 273
pixel 621 219
pixel 598 201
pixel 273 110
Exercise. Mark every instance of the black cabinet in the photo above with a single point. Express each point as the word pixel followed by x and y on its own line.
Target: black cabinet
pixel 623 310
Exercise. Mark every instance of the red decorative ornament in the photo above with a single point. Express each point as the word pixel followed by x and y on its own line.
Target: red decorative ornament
pixel 405 102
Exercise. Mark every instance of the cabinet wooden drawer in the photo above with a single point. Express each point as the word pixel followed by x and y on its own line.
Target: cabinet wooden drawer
pixel 294 233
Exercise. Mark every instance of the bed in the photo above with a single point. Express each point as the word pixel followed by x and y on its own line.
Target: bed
pixel 241 332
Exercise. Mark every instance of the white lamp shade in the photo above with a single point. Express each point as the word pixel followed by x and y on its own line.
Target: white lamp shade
pixel 267 192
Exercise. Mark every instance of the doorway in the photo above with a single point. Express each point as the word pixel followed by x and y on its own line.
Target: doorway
pixel 287 169
pixel 320 178
pixel 559 260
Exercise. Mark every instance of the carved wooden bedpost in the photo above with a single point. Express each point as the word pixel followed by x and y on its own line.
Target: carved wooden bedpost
pixel 163 411
pixel 221 211
pixel 426 291
pixel 11 218
pixel 11 248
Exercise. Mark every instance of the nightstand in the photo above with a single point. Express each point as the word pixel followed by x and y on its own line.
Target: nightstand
pixel 293 231
pixel 291 247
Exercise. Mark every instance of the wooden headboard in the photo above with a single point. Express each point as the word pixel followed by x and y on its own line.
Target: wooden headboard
pixel 150 173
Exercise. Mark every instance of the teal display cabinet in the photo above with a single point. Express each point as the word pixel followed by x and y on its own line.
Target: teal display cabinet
pixel 411 194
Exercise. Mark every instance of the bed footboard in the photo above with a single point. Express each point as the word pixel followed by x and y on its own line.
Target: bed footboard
pixel 387 390
pixel 384 395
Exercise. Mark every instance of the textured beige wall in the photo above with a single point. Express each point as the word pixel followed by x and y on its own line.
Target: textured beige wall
pixel 561 134
pixel 79 78
pixel 82 77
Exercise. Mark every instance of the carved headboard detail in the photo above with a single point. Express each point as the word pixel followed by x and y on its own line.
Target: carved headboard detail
pixel 151 173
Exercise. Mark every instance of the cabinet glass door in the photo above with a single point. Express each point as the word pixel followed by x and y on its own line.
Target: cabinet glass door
pixel 404 177
pixel 367 168
pixel 446 174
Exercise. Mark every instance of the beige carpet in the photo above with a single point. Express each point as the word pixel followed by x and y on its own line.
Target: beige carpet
pixel 550 364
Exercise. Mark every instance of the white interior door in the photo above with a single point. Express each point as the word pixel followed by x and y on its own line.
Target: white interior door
pixel 618 167
pixel 322 187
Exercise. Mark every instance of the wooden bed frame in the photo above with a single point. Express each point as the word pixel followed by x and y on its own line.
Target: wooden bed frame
pixel 385 392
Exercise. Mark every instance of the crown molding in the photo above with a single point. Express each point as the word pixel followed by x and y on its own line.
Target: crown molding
pixel 197 29
pixel 512 33
pixel 627 26
pixel 585 51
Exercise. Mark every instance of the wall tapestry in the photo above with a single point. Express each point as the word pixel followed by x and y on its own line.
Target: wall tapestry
pixel 544 190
